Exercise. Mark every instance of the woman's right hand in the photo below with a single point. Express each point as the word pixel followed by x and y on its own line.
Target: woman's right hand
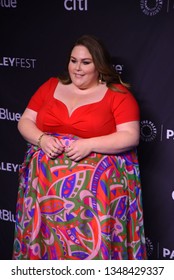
pixel 51 146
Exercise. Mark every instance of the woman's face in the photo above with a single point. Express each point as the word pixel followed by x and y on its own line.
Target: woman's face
pixel 81 68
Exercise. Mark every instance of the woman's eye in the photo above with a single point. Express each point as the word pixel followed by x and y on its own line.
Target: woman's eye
pixel 86 62
pixel 73 60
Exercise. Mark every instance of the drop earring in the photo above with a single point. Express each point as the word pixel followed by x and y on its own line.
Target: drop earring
pixel 100 78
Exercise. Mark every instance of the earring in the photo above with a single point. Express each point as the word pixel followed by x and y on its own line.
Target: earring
pixel 100 78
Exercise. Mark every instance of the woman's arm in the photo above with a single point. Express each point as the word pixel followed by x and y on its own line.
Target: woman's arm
pixel 125 138
pixel 27 126
pixel 28 129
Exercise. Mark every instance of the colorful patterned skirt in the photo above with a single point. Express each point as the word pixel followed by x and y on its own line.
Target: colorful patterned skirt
pixel 86 210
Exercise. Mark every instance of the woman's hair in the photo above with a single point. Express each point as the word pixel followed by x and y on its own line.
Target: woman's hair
pixel 101 59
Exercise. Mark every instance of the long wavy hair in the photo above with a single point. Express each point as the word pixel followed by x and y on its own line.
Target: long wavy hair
pixel 101 59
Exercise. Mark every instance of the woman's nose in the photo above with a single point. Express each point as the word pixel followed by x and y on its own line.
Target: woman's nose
pixel 78 66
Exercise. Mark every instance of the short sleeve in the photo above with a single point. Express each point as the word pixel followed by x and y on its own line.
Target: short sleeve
pixel 125 107
pixel 42 94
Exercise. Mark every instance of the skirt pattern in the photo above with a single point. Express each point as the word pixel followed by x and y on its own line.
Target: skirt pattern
pixel 86 210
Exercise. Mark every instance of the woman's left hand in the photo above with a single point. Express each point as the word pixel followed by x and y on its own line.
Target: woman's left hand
pixel 78 149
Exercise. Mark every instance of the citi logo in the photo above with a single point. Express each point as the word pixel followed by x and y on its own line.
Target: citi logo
pixel 5 114
pixel 76 5
pixel 8 3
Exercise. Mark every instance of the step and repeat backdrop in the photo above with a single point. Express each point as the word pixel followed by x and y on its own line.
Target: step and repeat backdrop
pixel 35 37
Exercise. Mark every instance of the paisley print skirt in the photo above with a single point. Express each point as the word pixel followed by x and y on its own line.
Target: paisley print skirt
pixel 86 210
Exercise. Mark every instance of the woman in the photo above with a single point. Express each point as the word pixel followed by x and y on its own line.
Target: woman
pixel 80 193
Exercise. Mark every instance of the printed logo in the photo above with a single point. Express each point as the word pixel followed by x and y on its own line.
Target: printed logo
pixel 170 134
pixel 148 131
pixel 166 133
pixel 9 167
pixel 17 62
pixel 6 215
pixel 149 247
pixel 173 195
pixel 167 253
pixel 8 3
pixel 76 5
pixel 5 114
pixel 118 68
pixel 151 8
